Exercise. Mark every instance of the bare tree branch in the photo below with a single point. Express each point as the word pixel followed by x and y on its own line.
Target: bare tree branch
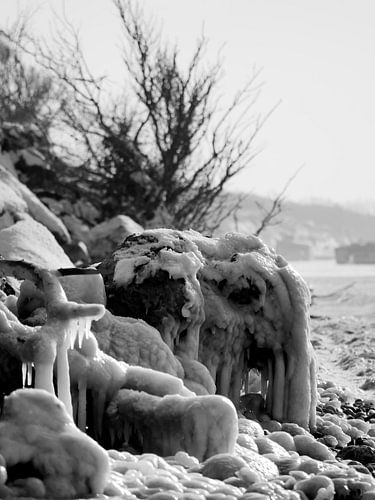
pixel 270 215
pixel 178 147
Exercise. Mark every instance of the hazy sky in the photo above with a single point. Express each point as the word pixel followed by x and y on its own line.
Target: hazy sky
pixel 317 57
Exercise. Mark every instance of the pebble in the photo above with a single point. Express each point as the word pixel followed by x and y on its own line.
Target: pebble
pixel 164 495
pixel 361 453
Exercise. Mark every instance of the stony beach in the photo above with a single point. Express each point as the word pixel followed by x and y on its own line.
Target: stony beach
pixel 342 330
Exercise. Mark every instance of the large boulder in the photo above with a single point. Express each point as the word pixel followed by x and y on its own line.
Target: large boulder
pixel 51 192
pixel 28 229
pixel 104 238
pixel 31 241
pixel 16 200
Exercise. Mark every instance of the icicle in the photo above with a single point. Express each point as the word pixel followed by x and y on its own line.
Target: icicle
pixel 70 334
pixel 246 382
pixel 225 378
pixel 112 437
pixel 126 432
pixel 87 327
pixel 139 436
pixel 24 374
pixel 263 382
pixel 63 379
pixel 82 404
pixel 29 374
pixel 99 412
pixel 44 377
pixel 73 332
pixel 235 387
pixel 269 398
pixel 286 399
pixel 81 331
pixel 278 385
pixel 74 393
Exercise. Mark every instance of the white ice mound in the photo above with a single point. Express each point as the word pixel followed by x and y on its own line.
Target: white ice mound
pixel 200 425
pixel 38 436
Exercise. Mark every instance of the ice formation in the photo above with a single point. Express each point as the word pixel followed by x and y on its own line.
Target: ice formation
pixel 38 436
pixel 67 321
pixel 221 307
pixel 43 350
pixel 65 346
pixel 229 303
pixel 136 343
pixel 126 339
pixel 202 426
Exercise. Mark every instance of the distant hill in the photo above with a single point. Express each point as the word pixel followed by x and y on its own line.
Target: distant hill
pixel 320 227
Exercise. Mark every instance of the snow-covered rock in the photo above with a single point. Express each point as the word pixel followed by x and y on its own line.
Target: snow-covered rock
pixel 29 240
pixel 16 200
pixel 105 237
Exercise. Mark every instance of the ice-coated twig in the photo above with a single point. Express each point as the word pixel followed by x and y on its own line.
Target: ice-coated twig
pixel 64 322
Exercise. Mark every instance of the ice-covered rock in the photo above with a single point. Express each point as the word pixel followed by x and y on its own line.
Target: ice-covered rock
pixel 230 303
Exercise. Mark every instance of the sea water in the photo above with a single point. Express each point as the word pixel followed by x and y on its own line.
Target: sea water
pixel 340 289
pixel 330 269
